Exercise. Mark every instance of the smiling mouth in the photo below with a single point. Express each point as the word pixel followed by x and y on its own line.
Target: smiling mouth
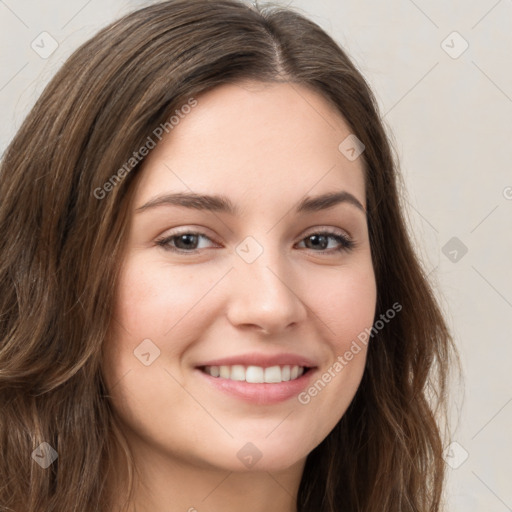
pixel 256 374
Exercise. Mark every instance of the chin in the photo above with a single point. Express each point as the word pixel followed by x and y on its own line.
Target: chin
pixel 264 454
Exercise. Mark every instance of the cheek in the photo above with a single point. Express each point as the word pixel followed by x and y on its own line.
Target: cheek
pixel 154 299
pixel 159 303
pixel 346 307
pixel 345 302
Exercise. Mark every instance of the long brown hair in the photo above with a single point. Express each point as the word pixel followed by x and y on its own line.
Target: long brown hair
pixel 62 244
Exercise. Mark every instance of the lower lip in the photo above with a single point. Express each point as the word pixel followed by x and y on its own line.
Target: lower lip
pixel 261 394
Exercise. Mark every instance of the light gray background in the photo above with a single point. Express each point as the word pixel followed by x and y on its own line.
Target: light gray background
pixel 450 117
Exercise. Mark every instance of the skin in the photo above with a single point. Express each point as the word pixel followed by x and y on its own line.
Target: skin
pixel 264 146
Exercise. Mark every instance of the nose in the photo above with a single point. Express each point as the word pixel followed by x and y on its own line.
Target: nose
pixel 265 295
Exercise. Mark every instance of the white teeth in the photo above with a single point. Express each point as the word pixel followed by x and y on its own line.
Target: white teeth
pixel 273 374
pixel 237 372
pixel 256 374
pixel 224 372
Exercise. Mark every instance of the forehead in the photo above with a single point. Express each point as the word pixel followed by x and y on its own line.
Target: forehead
pixel 254 141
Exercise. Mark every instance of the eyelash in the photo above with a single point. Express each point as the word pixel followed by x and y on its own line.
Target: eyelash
pixel 347 244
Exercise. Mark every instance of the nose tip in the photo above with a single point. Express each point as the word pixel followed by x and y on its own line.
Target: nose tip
pixel 265 295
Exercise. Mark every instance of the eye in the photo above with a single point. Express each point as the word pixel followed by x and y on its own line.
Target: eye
pixel 321 240
pixel 187 242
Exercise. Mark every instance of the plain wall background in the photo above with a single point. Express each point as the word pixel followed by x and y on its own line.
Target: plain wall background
pixel 450 118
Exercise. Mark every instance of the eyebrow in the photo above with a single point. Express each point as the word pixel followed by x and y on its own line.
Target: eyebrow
pixel 220 203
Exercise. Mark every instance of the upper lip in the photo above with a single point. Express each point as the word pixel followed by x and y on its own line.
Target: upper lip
pixel 263 360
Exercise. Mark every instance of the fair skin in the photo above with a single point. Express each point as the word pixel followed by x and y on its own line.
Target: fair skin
pixel 264 147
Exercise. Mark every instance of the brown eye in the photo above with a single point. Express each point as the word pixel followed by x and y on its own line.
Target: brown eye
pixel 319 242
pixel 185 242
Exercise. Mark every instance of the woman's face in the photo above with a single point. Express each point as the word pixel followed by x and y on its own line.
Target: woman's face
pixel 281 281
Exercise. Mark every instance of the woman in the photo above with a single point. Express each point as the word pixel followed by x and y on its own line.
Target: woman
pixel 286 362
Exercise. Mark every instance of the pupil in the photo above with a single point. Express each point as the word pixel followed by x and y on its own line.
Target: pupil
pixel 316 238
pixel 188 240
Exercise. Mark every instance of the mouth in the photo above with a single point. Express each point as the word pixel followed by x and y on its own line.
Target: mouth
pixel 256 374
pixel 258 385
